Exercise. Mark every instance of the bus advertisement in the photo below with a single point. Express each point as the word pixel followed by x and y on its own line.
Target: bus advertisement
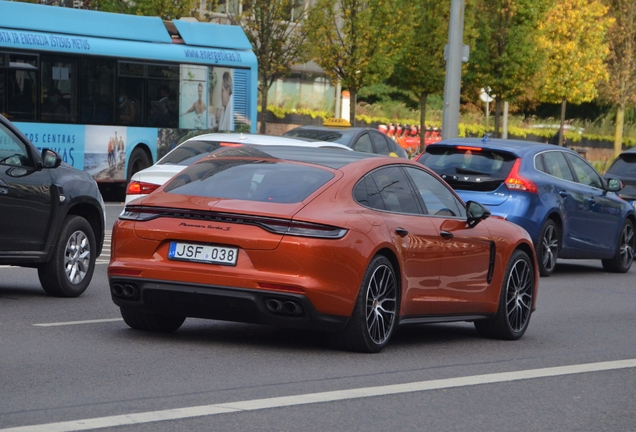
pixel 112 93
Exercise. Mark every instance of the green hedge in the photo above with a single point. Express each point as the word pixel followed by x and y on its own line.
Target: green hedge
pixel 465 129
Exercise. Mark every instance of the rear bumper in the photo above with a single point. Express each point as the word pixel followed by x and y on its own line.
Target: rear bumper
pixel 222 303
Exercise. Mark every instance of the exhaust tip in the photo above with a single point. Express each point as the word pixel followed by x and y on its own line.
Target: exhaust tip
pixel 274 305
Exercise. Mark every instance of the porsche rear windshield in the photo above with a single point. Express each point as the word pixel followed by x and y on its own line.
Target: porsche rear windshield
pixel 469 168
pixel 249 179
pixel 189 152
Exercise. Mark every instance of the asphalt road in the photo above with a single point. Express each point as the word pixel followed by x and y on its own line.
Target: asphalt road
pixel 75 361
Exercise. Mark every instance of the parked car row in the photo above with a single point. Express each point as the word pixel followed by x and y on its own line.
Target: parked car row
pixel 306 233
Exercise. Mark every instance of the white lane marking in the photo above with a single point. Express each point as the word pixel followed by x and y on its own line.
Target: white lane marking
pixel 311 398
pixel 78 322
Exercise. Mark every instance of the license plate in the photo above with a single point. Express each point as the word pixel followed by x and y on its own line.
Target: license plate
pixel 202 253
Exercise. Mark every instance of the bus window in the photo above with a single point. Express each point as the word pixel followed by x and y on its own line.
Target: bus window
pixel 59 100
pixel 22 86
pixel 163 88
pixel 129 109
pixel 96 88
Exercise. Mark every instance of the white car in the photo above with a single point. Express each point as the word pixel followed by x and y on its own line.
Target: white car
pixel 148 180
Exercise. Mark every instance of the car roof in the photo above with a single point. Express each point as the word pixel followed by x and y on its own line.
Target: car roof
pixel 516 147
pixel 262 139
pixel 344 129
pixel 327 157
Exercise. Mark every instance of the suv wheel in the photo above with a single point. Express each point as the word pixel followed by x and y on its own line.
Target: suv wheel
pixel 71 266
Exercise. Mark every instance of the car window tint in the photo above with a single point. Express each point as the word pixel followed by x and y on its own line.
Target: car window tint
pixel 319 135
pixel 367 194
pixel 189 152
pixel 554 163
pixel 469 169
pixel 585 174
pixel 395 190
pixel 624 166
pixel 363 144
pixel 13 151
pixel 438 199
pixel 380 143
pixel 249 179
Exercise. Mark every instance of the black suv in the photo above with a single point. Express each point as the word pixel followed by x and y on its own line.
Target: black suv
pixel 51 215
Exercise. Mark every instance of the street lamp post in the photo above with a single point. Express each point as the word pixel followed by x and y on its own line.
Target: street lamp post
pixel 453 83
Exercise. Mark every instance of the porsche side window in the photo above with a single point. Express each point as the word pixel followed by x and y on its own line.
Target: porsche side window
pixel 438 199
pixel 395 190
pixel 366 193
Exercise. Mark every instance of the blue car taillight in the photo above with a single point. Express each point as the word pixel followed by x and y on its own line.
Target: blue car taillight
pixel 516 181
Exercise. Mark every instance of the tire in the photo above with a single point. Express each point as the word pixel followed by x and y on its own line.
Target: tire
pixel 622 261
pixel 548 248
pixel 515 301
pixel 140 320
pixel 138 161
pixel 374 317
pixel 71 267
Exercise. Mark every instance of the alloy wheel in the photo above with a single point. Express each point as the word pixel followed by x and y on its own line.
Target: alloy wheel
pixel 77 256
pixel 519 295
pixel 549 248
pixel 627 245
pixel 381 304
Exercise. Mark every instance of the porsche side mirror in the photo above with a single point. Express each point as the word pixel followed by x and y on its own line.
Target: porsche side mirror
pixel 476 212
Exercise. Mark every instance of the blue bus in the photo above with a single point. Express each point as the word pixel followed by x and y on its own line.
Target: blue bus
pixel 111 93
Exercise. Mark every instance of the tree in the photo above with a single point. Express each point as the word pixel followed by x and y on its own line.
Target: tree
pixel 573 38
pixel 620 89
pixel 357 42
pixel 165 9
pixel 276 30
pixel 506 57
pixel 422 68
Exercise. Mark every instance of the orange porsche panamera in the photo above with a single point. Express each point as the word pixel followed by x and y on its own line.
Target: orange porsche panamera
pixel 346 242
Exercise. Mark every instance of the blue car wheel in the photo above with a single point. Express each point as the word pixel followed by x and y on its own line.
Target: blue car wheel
pixel 548 247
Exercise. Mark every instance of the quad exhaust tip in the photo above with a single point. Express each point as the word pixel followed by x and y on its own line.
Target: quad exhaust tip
pixel 284 307
pixel 126 291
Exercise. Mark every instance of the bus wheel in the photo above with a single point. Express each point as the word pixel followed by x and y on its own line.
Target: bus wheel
pixel 138 161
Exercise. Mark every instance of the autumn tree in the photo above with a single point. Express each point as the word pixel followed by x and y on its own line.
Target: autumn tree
pixel 357 42
pixel 505 57
pixel 422 68
pixel 165 9
pixel 620 89
pixel 573 37
pixel 276 30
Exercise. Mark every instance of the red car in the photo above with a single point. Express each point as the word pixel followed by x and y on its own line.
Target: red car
pixel 350 243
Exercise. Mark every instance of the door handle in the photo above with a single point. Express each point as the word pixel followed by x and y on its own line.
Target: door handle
pixel 563 193
pixel 4 187
pixel 401 231
pixel 447 234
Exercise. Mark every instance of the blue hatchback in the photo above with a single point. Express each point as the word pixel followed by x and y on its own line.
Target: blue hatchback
pixel 568 209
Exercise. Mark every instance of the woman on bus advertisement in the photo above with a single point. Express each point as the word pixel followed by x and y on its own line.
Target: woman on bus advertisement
pixel 221 100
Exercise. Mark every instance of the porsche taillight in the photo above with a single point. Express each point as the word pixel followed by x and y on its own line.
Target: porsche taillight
pixel 516 181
